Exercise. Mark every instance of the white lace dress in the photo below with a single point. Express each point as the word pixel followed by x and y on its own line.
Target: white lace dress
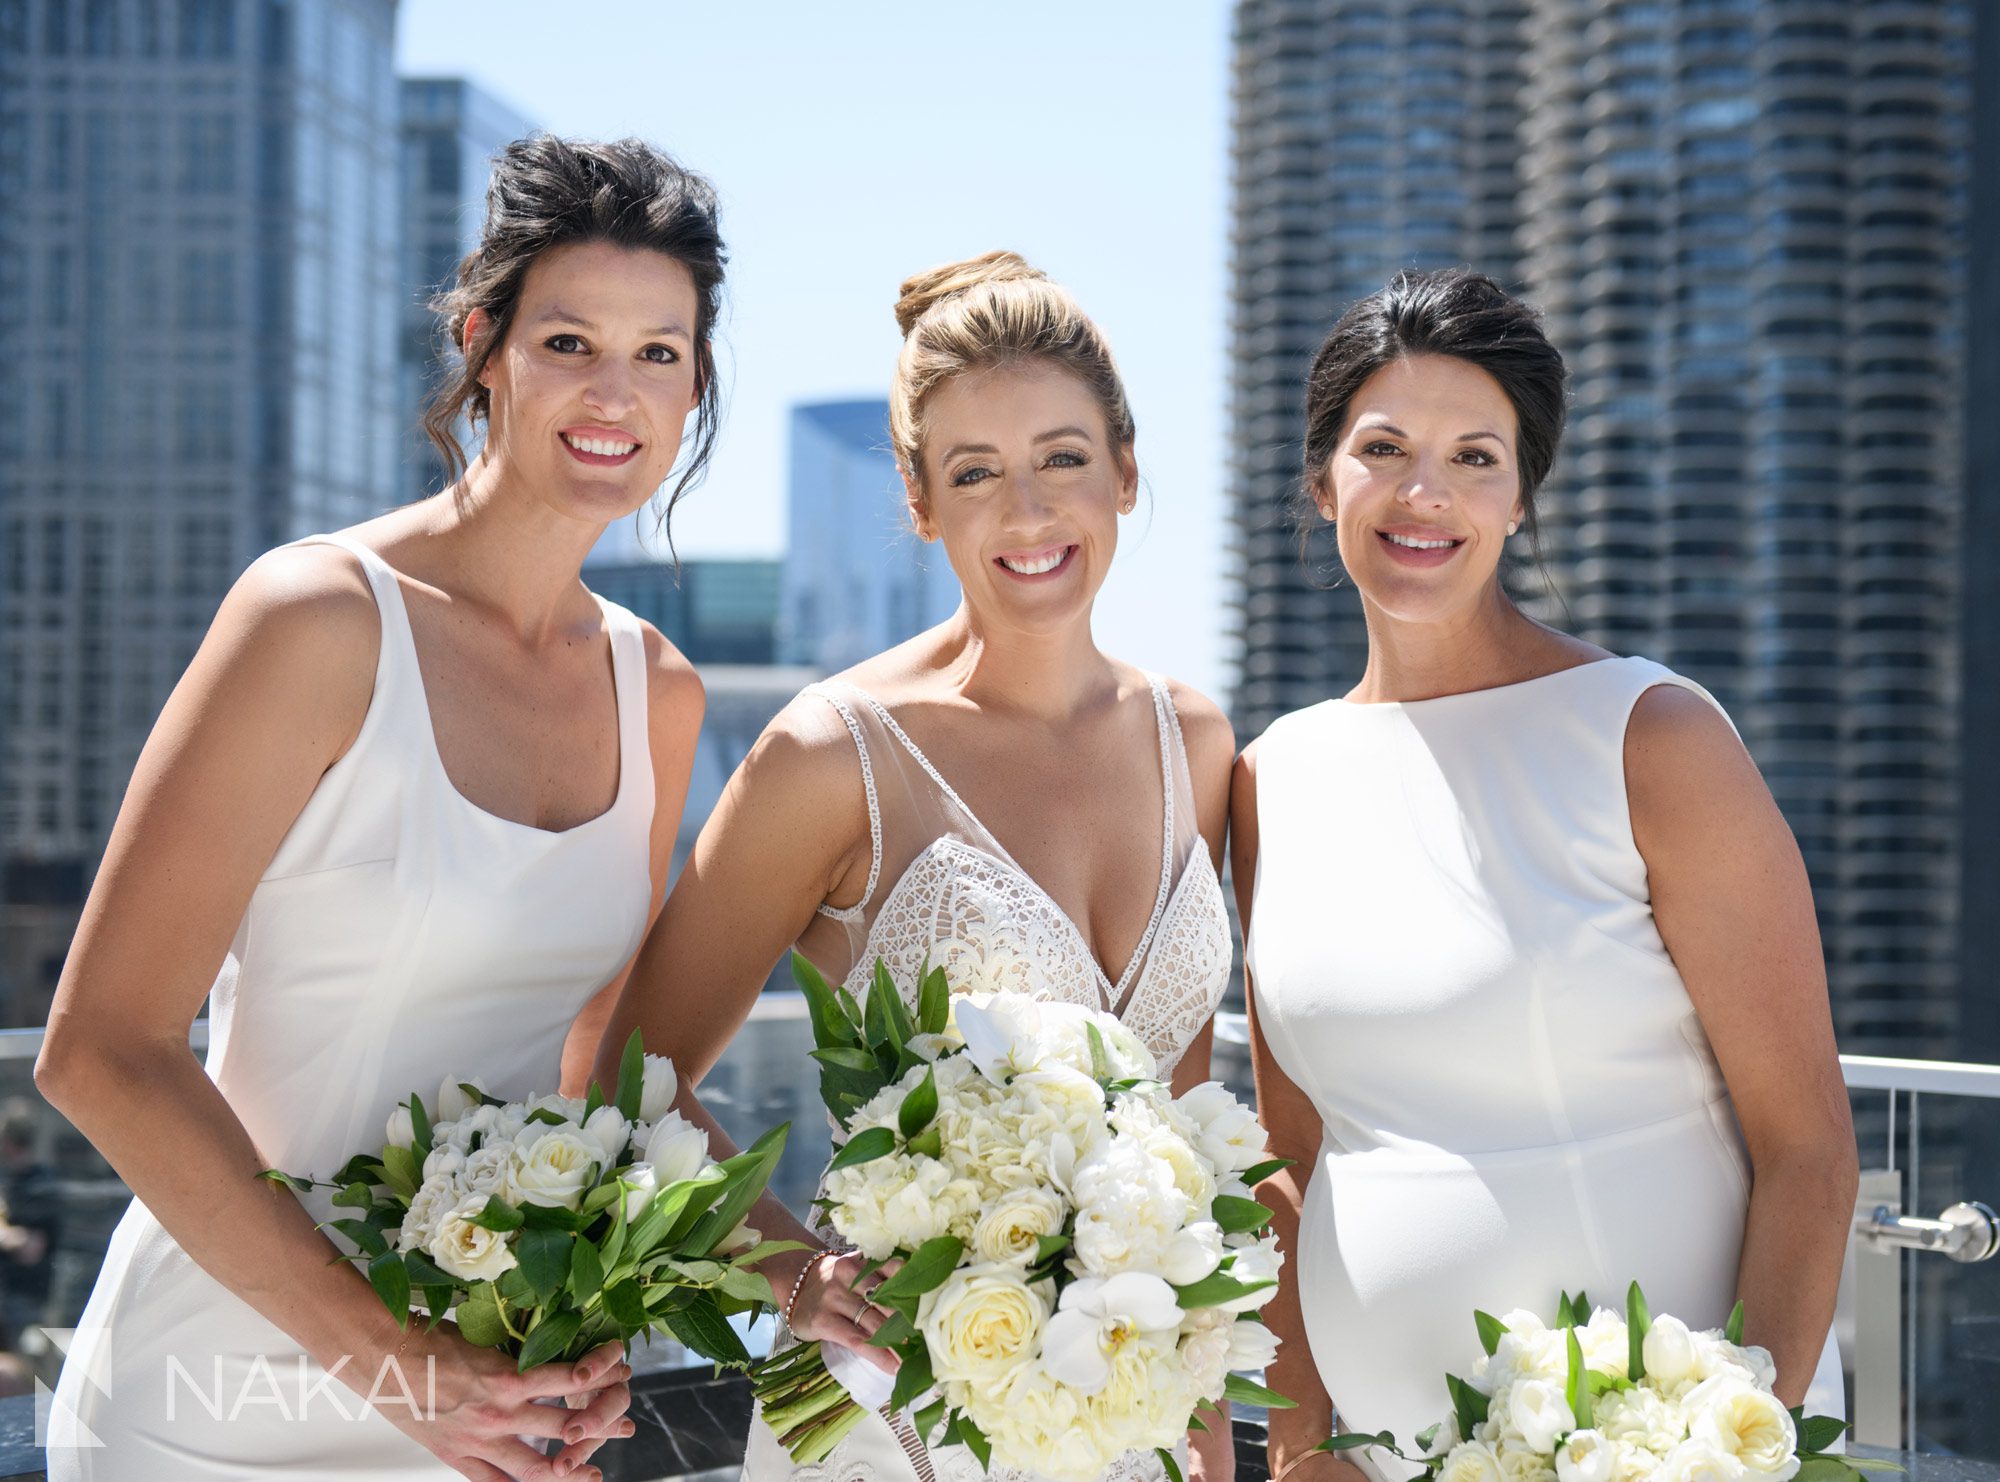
pixel 958 895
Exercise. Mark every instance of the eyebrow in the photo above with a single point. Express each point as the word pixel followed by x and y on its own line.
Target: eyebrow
pixel 1053 435
pixel 556 312
pixel 1464 437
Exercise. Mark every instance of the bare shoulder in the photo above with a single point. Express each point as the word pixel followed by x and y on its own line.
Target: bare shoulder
pixel 675 697
pixel 1211 739
pixel 1685 768
pixel 806 756
pixel 310 606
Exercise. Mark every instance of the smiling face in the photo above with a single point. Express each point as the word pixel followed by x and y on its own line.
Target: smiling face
pixel 1423 486
pixel 596 378
pixel 1023 485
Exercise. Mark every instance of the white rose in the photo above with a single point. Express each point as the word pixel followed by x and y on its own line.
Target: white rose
pixel 657 1091
pixel 436 1198
pixel 481 1121
pixel 1538 1412
pixel 401 1131
pixel 485 1172
pixel 466 1250
pixel 1746 1424
pixel 1586 1456
pixel 1520 1465
pixel 982 1322
pixel 1699 1461
pixel 608 1128
pixel 677 1149
pixel 444 1159
pixel 452 1102
pixel 1641 1417
pixel 1470 1461
pixel 552 1169
pixel 1669 1351
pixel 641 1184
pixel 1009 1229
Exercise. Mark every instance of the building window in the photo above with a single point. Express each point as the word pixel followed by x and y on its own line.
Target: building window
pixel 100 28
pixel 55 28
pixel 57 172
pixel 208 288
pixel 208 30
pixel 13 28
pixel 208 154
pixel 204 423
pixel 441 165
pixel 60 261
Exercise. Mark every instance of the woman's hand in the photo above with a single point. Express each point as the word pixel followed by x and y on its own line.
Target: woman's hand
pixel 477 1407
pixel 832 1306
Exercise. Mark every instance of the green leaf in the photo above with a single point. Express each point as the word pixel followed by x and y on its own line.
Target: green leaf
pixel 1173 1468
pixel 626 1304
pixel 291 1181
pixel 1246 1392
pixel 425 1272
pixel 913 1376
pixel 703 1329
pixel 920 1106
pixel 1428 1434
pixel 1467 1403
pixel 1216 1288
pixel 631 1078
pixel 1238 1216
pixel 744 1179
pixel 364 1235
pixel 1577 1389
pixel 356 1195
pixel 822 1006
pixel 926 1270
pixel 544 1258
pixel 926 1420
pixel 1580 1305
pixel 846 1057
pixel 600 1199
pixel 1733 1330
pixel 1355 1440
pixel 391 1280
pixel 498 1215
pixel 865 1147
pixel 933 1001
pixel 437 1301
pixel 593 1100
pixel 1824 1469
pixel 420 1122
pixel 1601 1383
pixel 1491 1331
pixel 548 1116
pixel 478 1316
pixel 887 1017
pixel 974 1440
pixel 928 1143
pixel 551 1217
pixel 1049 1246
pixel 1817 1432
pixel 1100 1061
pixel 1256 1173
pixel 1566 1312
pixel 401 1172
pixel 361 1168
pixel 1638 1322
pixel 586 1271
pixel 514 1286
pixel 893 1333
pixel 550 1338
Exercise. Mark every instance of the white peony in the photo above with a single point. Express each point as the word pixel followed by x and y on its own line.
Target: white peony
pixel 1538 1412
pixel 1586 1456
pixel 1129 1211
pixel 1746 1424
pixel 898 1202
pixel 982 1322
pixel 1699 1461
pixel 438 1195
pixel 466 1250
pixel 657 1092
pixel 1641 1417
pixel 1010 1227
pixel 677 1149
pixel 551 1169
pixel 1205 1348
pixel 443 1159
pixel 1470 1461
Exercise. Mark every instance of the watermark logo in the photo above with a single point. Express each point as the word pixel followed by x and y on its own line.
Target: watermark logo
pixel 87 1359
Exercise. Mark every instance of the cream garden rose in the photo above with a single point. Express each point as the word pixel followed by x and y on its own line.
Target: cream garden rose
pixel 982 1323
pixel 468 1251
pixel 1010 1228
pixel 553 1168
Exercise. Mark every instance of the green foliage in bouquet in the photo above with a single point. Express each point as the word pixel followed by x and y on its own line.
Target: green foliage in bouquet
pixel 623 1262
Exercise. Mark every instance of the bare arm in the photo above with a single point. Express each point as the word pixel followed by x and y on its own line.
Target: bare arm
pixel 1735 910
pixel 275 696
pixel 1294 1128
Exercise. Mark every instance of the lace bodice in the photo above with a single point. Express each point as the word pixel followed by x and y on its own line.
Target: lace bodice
pixel 957 897
pixel 960 899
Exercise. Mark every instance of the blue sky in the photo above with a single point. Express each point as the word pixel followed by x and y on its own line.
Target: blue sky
pixel 855 143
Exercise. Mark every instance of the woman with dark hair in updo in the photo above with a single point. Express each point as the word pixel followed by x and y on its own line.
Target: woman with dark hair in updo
pixel 1536 990
pixel 409 809
pixel 997 796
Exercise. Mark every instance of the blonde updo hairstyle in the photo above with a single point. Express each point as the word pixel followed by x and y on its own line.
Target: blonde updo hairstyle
pixel 985 313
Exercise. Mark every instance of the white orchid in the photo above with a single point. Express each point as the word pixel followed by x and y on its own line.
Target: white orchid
pixel 1099 1316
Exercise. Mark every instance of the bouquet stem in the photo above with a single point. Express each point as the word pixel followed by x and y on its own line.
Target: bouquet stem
pixel 803 1403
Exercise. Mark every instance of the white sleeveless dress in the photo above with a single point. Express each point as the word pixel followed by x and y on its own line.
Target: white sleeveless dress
pixel 960 899
pixel 1453 953
pixel 400 934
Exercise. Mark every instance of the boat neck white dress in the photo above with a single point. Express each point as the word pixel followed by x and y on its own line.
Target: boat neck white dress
pixel 400 934
pixel 1453 954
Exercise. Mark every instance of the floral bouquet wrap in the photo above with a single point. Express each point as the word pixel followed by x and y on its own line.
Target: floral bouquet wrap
pixel 1079 1258
pixel 545 1228
pixel 1603 1396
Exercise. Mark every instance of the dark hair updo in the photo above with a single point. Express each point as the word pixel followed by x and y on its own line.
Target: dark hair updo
pixel 548 192
pixel 1455 312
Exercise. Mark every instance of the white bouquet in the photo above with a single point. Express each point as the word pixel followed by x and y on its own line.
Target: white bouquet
pixel 547 1227
pixel 1081 1260
pixel 1602 1396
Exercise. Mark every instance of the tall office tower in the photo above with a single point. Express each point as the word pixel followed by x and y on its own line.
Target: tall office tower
pixel 1742 218
pixel 856 581
pixel 451 131
pixel 198 281
pixel 1367 137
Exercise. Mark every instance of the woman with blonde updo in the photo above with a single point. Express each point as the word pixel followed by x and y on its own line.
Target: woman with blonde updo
pixel 997 795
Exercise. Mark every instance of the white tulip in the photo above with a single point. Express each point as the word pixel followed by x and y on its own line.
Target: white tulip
pixel 641 1184
pixel 1539 1411
pixel 1669 1352
pixel 611 1132
pixel 401 1131
pixel 1260 1262
pixel 660 1088
pixel 452 1102
pixel 677 1149
pixel 1586 1456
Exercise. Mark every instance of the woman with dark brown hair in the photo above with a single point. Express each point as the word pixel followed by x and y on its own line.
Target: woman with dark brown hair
pixel 408 810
